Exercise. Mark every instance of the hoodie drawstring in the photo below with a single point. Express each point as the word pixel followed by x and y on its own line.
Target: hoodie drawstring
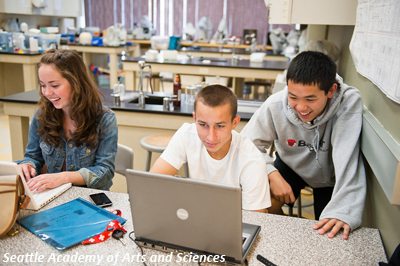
pixel 315 144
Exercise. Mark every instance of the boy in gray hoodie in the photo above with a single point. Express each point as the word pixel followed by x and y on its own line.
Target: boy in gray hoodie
pixel 315 124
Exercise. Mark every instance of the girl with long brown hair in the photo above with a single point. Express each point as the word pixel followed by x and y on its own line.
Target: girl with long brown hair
pixel 73 137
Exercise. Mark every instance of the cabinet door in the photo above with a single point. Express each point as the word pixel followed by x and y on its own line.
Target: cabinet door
pixel 59 8
pixel 280 11
pixel 326 12
pixel 323 12
pixel 70 8
pixel 16 6
pixel 46 10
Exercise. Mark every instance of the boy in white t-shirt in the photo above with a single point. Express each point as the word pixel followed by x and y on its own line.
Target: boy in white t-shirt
pixel 215 152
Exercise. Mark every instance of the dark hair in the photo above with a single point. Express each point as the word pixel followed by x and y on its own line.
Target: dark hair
pixel 312 68
pixel 86 105
pixel 217 95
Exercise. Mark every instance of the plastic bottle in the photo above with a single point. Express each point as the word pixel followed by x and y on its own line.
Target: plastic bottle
pixel 121 88
pixel 177 90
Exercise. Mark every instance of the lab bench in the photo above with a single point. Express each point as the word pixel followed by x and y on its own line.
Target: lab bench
pixel 241 69
pixel 228 53
pixel 133 122
pixel 9 75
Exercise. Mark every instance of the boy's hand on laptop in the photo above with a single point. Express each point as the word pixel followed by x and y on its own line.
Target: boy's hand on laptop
pixel 27 171
pixel 334 226
pixel 45 181
pixel 280 189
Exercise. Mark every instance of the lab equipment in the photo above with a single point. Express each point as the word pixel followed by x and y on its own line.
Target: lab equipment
pixel 6 42
pixel 85 38
pixel 204 29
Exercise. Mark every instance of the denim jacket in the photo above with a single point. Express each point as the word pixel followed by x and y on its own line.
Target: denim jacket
pixel 96 165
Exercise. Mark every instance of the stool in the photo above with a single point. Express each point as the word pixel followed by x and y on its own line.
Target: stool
pixel 299 203
pixel 154 80
pixel 154 143
pixel 271 152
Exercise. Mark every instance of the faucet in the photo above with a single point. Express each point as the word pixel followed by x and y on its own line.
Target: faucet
pixel 253 45
pixel 142 65
pixel 234 41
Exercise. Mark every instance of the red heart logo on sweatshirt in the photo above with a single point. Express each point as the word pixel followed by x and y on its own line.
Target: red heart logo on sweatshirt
pixel 291 142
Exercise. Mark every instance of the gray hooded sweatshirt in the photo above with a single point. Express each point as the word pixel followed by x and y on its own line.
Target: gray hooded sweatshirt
pixel 325 153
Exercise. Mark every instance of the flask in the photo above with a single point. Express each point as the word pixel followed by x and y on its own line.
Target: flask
pixel 177 90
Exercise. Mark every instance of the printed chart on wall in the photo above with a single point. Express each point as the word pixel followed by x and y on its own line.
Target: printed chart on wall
pixel 375 45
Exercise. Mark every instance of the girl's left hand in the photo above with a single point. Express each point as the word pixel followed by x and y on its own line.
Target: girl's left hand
pixel 46 181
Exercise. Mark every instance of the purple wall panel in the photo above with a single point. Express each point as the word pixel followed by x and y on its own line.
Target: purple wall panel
pixel 102 14
pixel 191 12
pixel 213 9
pixel 178 17
pixel 250 14
pixel 118 13
pixel 241 14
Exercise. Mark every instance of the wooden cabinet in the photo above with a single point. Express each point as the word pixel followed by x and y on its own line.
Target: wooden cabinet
pixel 59 8
pixel 323 12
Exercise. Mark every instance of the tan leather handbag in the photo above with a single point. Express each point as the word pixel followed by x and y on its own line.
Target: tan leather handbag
pixel 12 198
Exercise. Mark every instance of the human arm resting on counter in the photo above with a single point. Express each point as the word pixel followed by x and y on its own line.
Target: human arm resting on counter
pixel 345 208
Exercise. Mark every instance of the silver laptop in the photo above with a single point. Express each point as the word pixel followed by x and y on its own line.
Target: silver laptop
pixel 37 199
pixel 171 213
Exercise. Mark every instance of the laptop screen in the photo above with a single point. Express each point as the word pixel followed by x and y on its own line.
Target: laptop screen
pixel 188 213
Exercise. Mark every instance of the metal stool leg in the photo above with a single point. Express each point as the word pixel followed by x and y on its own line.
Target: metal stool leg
pixel 162 84
pixel 148 161
pixel 290 210
pixel 299 206
pixel 186 169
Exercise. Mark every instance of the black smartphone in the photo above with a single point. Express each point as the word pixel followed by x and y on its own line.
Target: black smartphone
pixel 101 199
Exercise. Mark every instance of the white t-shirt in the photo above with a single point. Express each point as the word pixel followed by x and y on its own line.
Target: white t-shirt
pixel 243 166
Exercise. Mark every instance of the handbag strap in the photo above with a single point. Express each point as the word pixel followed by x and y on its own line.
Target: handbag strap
pixel 23 200
pixel 18 188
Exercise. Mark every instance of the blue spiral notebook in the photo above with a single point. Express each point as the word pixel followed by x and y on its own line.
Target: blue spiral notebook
pixel 70 223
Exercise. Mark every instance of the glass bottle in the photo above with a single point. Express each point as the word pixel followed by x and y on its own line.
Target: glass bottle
pixel 177 90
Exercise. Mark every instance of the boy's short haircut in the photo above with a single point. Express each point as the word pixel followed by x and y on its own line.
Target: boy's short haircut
pixel 217 95
pixel 312 68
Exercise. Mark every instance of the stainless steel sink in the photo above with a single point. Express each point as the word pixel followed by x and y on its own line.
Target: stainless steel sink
pixel 155 98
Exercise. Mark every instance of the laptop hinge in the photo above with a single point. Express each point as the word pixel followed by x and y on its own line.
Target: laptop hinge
pixel 184 251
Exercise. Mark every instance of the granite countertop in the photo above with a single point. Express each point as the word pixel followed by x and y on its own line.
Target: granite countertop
pixel 33 97
pixel 219 62
pixel 283 240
